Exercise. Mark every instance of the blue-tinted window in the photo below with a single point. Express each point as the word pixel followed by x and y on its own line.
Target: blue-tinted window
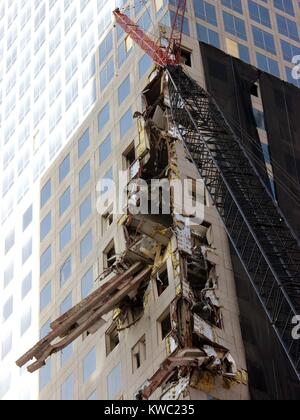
pixel 267 64
pixel 205 11
pixel 8 275
pixel 107 74
pixel 26 285
pixel 208 36
pixel 264 40
pixel 145 64
pixel 289 51
pixel 65 236
pixel 106 47
pixel 26 321
pixel 87 284
pixel 27 251
pixel 124 50
pixel 66 354
pixel 67 389
pixel 235 5
pixel 89 365
pixel 9 241
pixel 64 168
pixel 83 143
pixel 105 149
pixel 259 13
pixel 287 27
pixel 66 304
pixel 235 26
pixel 46 193
pixel 169 19
pixel 46 260
pixel 27 218
pixel 124 90
pixel 85 210
pixel 65 201
pixel 114 382
pixel 244 53
pixel 45 226
pixel 65 272
pixel 286 6
pixel 103 117
pixel 126 122
pixel 45 330
pixel 84 175
pixel 144 21
pixel 86 246
pixel 104 187
pixel 8 308
pixel 45 296
pixel 45 374
pixel 6 345
pixel 138 7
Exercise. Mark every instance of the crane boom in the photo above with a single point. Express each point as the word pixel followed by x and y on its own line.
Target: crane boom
pixel 177 30
pixel 162 56
pixel 158 53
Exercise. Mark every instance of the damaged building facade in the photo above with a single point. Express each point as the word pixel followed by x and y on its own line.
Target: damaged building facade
pixel 143 306
pixel 163 319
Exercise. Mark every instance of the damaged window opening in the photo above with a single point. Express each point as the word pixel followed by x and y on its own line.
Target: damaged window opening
pixel 138 354
pixel 110 256
pixel 186 57
pixel 112 339
pixel 132 308
pixel 254 90
pixel 162 282
pixel 202 278
pixel 130 163
pixel 165 325
pixel 198 196
pixel 129 157
pixel 193 191
pixel 197 271
pixel 107 221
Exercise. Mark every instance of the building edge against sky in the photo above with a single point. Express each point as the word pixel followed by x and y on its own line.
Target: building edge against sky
pixel 79 76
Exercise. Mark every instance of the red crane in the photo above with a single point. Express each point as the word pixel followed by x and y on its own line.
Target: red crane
pixel 161 55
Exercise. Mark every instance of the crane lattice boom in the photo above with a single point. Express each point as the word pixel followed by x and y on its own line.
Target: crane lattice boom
pixel 162 56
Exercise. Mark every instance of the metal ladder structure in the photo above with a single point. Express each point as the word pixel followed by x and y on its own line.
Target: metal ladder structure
pixel 265 244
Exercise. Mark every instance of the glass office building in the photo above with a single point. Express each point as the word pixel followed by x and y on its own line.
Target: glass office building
pixel 63 63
